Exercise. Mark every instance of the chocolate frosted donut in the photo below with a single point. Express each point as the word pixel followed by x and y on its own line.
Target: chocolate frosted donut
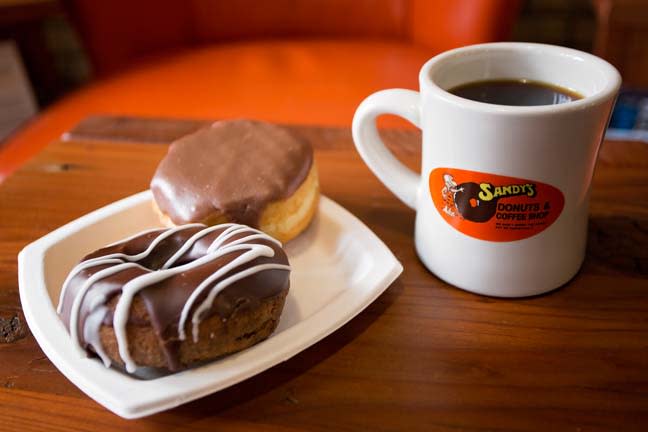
pixel 240 171
pixel 166 299
pixel 470 206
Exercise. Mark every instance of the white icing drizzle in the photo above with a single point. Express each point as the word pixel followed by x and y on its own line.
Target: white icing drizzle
pixel 234 229
pixel 97 311
pixel 209 301
pixel 119 257
pixel 189 244
pixel 78 299
pixel 252 251
pixel 217 249
pixel 91 332
pixel 76 270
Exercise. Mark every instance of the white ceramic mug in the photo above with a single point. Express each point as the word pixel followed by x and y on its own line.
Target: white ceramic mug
pixel 503 195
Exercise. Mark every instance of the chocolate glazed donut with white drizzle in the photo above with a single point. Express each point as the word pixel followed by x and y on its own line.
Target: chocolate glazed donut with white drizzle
pixel 167 299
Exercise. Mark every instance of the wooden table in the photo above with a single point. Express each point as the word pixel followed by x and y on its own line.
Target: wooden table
pixel 424 356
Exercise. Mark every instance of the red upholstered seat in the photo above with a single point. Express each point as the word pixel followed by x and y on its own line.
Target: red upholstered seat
pixel 285 78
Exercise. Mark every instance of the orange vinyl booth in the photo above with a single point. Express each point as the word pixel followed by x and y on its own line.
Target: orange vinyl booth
pixel 285 61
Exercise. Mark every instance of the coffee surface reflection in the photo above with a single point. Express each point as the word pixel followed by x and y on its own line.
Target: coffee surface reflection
pixel 515 92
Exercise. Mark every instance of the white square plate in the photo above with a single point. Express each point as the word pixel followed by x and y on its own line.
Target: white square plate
pixel 339 267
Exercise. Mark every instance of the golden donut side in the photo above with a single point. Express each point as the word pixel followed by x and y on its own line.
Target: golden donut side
pixel 284 219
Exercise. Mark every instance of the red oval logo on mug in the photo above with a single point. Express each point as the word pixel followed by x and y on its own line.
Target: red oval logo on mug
pixel 493 207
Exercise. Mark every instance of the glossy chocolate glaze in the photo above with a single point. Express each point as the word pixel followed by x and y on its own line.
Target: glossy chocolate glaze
pixel 232 168
pixel 165 300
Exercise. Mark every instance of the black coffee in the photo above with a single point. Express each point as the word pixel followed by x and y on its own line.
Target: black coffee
pixel 515 92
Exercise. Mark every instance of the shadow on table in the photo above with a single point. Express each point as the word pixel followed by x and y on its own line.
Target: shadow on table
pixel 617 245
pixel 278 375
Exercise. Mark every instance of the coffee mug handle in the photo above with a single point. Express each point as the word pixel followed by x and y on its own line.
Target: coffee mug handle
pixel 399 179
